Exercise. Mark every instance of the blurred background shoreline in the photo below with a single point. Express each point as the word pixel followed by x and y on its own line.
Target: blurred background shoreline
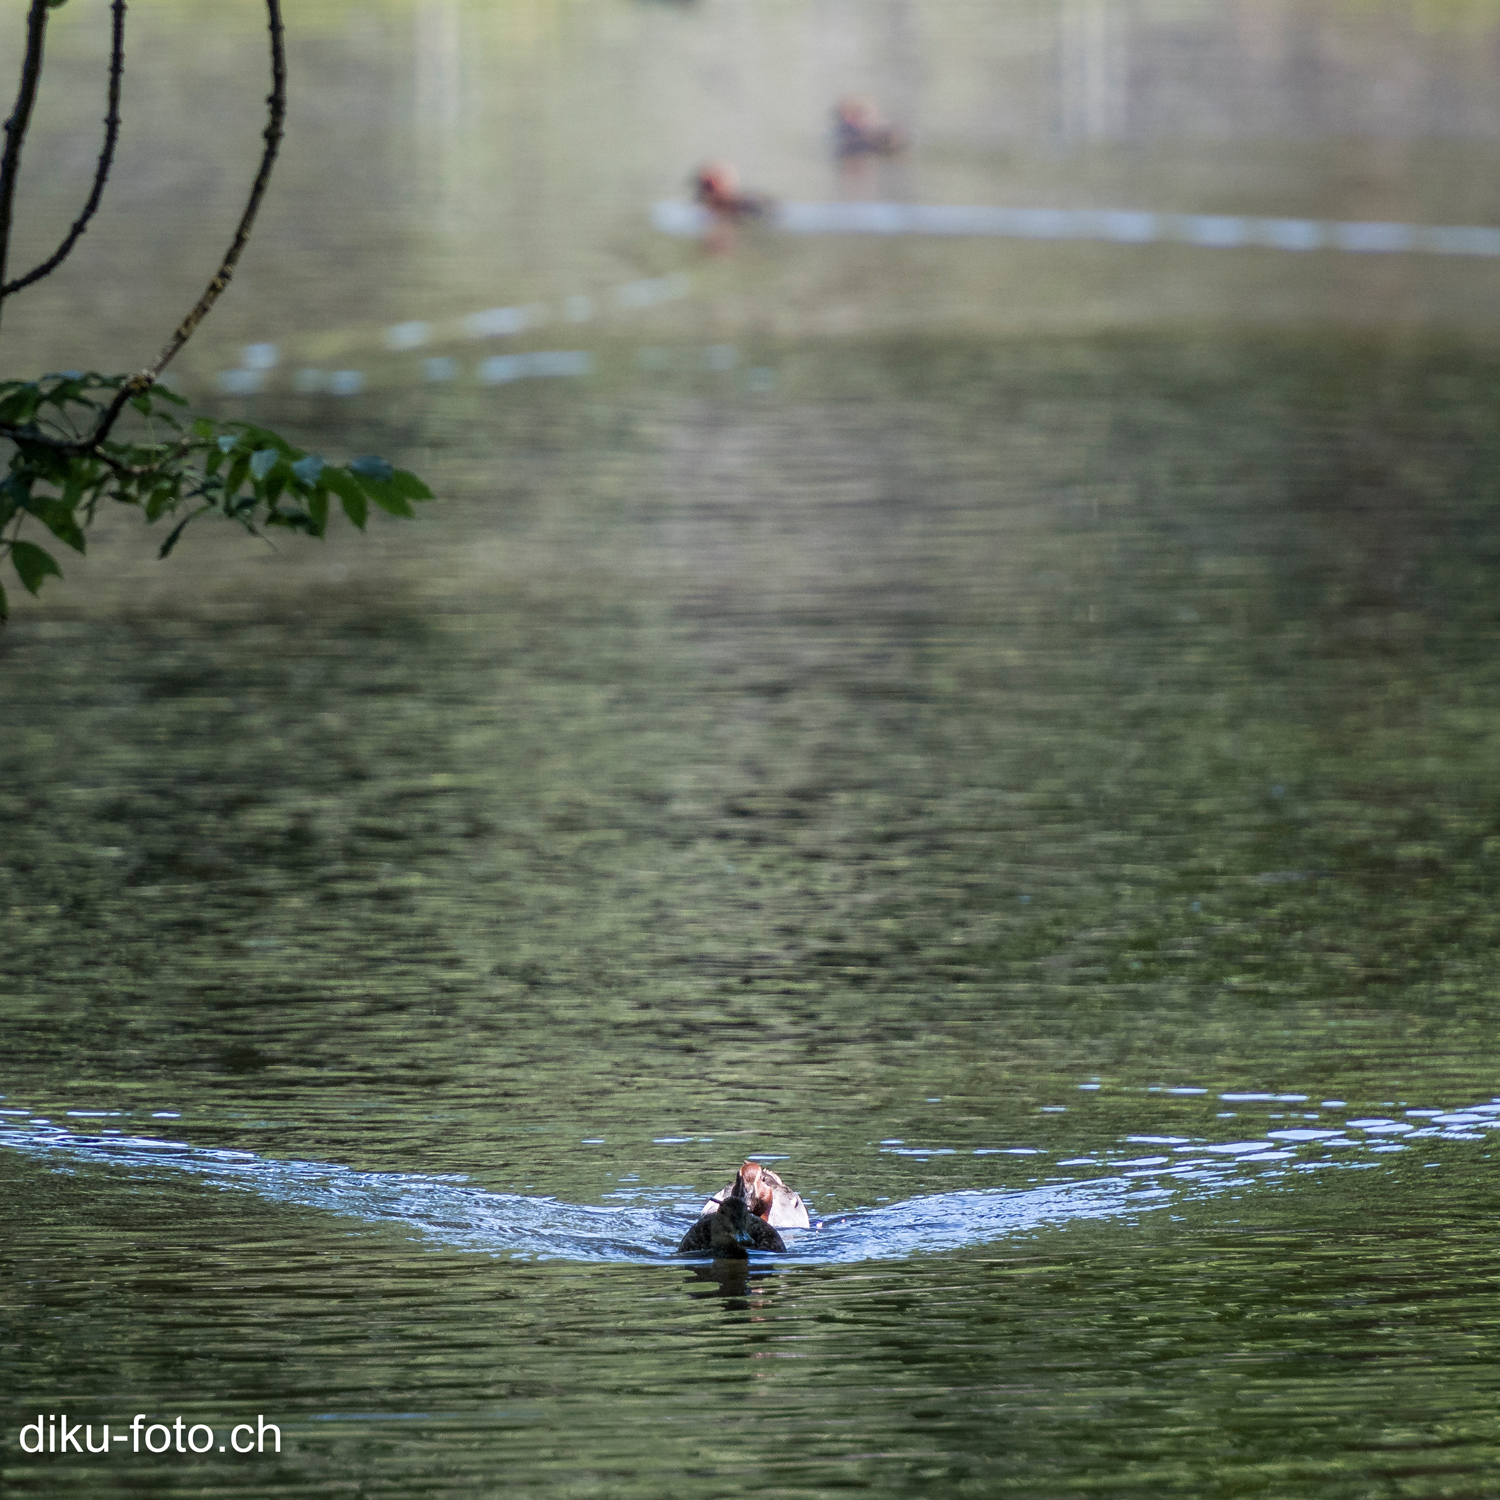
pixel 445 157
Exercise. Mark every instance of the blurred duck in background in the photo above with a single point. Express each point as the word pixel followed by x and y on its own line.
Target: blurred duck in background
pixel 716 187
pixel 858 131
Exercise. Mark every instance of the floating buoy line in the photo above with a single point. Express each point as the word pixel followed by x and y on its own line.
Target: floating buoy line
pixel 682 220
pixel 259 362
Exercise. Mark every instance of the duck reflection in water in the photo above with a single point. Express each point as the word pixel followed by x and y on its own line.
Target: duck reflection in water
pixel 745 1216
pixel 743 1286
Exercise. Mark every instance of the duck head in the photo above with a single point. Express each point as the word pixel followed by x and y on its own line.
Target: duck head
pixel 752 1187
pixel 729 1230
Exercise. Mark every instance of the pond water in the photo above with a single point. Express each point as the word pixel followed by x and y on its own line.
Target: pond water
pixel 1004 732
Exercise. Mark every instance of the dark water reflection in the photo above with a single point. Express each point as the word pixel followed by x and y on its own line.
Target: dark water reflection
pixel 1038 788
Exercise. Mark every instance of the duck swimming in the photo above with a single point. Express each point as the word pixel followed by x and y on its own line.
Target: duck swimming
pixel 745 1215
pixel 857 131
pixel 716 185
pixel 733 1232
pixel 767 1195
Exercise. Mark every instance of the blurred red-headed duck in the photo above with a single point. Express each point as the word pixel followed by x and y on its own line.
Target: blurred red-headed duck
pixel 716 185
pixel 858 131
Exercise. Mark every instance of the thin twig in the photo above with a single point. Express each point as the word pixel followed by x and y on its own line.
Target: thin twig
pixel 20 119
pixel 276 106
pixel 101 171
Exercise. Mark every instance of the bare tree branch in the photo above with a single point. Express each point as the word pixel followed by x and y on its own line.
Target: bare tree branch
pixel 20 119
pixel 101 172
pixel 276 107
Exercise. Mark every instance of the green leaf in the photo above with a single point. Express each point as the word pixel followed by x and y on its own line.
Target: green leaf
pixel 177 531
pixel 20 405
pixel 162 497
pixel 45 461
pixel 247 473
pixel 33 564
pixel 69 391
pixel 237 471
pixel 342 483
pixel 378 480
pixel 385 496
pixel 58 519
pixel 371 466
pixel 408 486
pixel 15 492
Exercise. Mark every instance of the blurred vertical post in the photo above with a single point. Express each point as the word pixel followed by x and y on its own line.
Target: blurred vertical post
pixel 1093 70
pixel 437 110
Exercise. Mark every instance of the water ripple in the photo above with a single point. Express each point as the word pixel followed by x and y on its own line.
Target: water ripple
pixel 452 1212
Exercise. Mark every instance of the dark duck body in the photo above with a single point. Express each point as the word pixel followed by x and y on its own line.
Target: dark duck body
pixel 731 1234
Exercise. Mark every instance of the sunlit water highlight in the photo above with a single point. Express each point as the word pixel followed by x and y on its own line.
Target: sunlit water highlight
pixel 457 1215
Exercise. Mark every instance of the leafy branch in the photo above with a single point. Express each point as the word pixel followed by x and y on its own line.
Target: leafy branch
pixel 66 462
pixel 245 473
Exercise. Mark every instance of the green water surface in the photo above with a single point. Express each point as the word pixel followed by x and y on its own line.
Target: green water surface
pixel 937 714
pixel 790 775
